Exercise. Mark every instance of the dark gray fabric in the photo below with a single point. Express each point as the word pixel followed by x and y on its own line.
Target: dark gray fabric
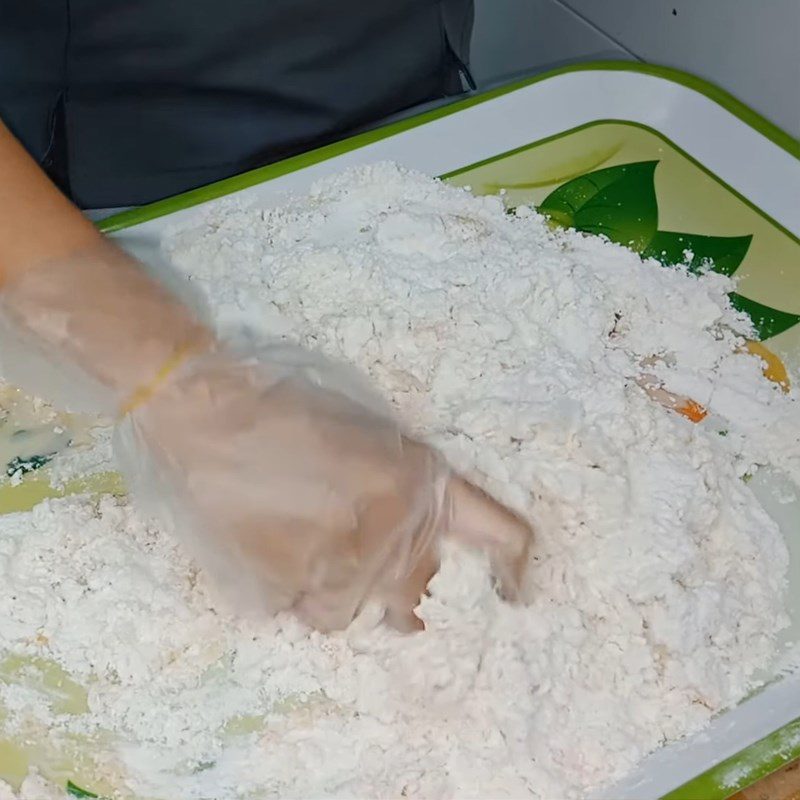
pixel 163 95
pixel 458 17
pixel 33 37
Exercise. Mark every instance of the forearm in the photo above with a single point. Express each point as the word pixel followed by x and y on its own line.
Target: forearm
pixel 80 297
pixel 37 223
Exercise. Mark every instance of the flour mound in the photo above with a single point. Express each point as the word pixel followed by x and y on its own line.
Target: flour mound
pixel 655 591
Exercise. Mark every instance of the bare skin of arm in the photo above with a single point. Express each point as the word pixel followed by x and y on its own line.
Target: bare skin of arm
pixel 37 223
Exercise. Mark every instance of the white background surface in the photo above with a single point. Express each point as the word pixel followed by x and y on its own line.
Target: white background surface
pixel 749 47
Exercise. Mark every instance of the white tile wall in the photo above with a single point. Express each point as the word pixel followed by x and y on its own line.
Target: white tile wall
pixel 749 47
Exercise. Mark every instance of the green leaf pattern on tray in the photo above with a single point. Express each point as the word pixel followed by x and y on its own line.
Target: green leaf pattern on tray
pixel 617 202
pixel 73 790
pixel 620 203
pixel 21 465
pixel 768 321
pixel 720 253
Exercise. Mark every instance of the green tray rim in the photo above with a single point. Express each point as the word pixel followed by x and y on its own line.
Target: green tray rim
pixel 236 183
pixel 762 757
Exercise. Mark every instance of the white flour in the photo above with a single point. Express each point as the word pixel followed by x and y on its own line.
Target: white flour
pixel 657 588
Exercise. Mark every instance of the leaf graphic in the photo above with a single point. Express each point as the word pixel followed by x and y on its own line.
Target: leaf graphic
pixel 75 791
pixel 28 464
pixel 768 321
pixel 723 253
pixel 618 202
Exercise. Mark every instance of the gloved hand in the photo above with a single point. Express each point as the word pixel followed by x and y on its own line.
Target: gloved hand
pixel 301 495
pixel 284 473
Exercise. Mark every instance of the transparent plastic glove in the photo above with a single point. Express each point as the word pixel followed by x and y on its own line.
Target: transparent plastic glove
pixel 84 331
pixel 285 475
pixel 299 490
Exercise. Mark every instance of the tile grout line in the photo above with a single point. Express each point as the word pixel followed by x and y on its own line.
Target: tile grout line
pixel 594 26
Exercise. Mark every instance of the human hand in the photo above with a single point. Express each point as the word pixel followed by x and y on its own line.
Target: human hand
pixel 298 491
pixel 285 475
pixel 293 489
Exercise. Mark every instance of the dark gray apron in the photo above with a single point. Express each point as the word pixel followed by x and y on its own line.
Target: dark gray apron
pixel 126 101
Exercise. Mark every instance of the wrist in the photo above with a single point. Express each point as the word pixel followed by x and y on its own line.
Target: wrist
pixel 100 311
